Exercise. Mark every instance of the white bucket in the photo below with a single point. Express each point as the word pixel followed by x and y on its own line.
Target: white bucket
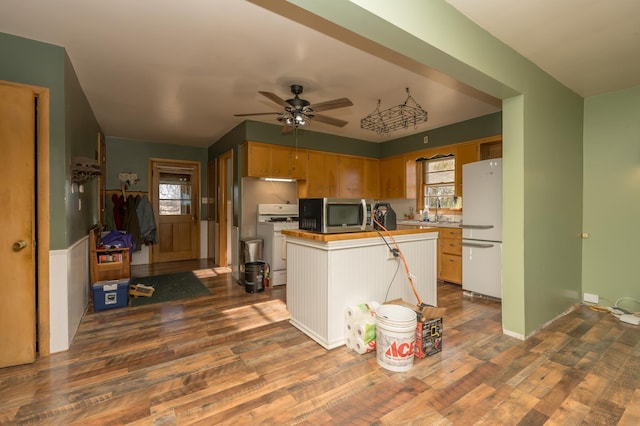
pixel 395 337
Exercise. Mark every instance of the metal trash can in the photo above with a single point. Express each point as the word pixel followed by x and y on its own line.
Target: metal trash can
pixel 250 251
pixel 254 273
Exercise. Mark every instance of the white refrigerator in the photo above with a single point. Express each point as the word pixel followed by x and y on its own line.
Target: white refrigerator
pixel 482 227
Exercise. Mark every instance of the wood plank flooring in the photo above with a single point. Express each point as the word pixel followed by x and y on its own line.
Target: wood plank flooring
pixel 233 358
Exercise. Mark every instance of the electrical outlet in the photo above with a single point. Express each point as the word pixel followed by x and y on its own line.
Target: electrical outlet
pixel 591 298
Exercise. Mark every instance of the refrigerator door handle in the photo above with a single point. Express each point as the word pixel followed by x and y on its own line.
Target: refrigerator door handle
pixel 478 245
pixel 476 226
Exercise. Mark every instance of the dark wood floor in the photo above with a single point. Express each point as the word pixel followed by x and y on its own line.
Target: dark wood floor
pixel 233 358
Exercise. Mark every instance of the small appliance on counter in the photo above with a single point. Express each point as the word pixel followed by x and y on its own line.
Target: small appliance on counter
pixel 335 215
pixel 385 216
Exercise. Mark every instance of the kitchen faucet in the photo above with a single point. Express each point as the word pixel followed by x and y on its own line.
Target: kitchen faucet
pixel 436 218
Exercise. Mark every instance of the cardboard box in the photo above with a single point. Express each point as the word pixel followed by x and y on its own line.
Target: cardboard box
pixel 428 328
pixel 110 294
pixel 428 337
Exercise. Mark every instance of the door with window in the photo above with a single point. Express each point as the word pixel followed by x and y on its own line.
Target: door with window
pixel 176 189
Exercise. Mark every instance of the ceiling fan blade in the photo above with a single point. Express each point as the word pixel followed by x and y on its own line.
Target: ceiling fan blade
pixel 275 98
pixel 257 113
pixel 336 103
pixel 329 120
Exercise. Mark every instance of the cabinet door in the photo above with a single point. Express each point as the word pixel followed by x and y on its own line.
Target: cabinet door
pixel 298 160
pixel 331 174
pixel 491 150
pixel 279 164
pixel 451 268
pixel 258 157
pixel 465 153
pixel 316 184
pixel 392 177
pixel 410 170
pixel 351 176
pixel 371 187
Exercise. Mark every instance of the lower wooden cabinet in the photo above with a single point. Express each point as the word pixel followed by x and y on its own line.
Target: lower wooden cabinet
pixel 450 255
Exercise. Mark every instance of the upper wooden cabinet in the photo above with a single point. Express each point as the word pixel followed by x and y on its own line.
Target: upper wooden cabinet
pixel 371 187
pixel 280 161
pixel 350 177
pixel 392 177
pixel 398 176
pixel 298 163
pixel 465 153
pixel 322 176
pixel 336 175
pixel 491 149
pixel 266 160
pixel 325 174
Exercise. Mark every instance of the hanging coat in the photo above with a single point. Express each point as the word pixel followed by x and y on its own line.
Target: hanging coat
pixel 147 221
pixel 131 224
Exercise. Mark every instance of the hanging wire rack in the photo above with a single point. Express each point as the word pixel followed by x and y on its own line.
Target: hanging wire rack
pixel 402 116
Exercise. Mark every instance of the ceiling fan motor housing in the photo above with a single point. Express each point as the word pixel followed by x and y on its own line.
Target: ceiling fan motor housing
pixel 296 102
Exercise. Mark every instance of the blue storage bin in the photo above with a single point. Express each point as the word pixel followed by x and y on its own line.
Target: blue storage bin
pixel 110 294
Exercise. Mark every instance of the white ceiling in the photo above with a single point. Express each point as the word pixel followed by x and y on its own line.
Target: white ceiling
pixel 176 72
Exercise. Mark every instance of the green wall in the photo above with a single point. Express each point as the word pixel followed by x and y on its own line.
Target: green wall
pixel 611 212
pixel 73 128
pixel 81 133
pixel 542 141
pixel 132 156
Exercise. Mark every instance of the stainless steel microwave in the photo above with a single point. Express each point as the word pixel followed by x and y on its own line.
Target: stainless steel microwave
pixel 335 215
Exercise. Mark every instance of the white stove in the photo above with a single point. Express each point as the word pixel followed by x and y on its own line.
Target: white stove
pixel 273 218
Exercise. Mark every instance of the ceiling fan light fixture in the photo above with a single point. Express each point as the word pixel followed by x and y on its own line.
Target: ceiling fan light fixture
pixel 299 112
pixel 294 119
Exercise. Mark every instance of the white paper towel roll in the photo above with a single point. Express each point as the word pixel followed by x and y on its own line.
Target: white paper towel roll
pixel 362 348
pixel 350 339
pixel 362 310
pixel 366 331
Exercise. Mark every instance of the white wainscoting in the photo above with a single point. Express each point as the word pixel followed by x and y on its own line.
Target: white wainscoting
pixel 68 292
pixel 323 279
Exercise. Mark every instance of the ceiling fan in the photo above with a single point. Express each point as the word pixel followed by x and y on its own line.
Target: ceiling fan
pixel 299 112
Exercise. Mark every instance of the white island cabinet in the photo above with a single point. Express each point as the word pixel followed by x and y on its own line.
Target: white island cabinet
pixel 328 273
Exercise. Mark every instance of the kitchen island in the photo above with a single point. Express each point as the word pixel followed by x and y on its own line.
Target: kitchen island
pixel 326 273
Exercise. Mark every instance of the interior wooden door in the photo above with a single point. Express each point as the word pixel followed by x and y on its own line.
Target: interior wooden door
pixel 225 206
pixel 176 195
pixel 18 236
pixel 212 213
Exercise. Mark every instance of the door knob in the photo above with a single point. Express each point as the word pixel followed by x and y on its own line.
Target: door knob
pixel 19 245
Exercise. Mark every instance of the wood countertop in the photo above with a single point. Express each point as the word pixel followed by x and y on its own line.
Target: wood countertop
pixel 352 235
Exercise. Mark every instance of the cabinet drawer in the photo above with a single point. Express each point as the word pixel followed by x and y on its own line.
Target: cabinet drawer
pixel 450 233
pixel 451 246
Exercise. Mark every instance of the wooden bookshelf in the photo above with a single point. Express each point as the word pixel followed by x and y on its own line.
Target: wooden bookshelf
pixel 107 263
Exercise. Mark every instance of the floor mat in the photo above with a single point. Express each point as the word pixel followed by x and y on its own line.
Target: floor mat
pixel 168 287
